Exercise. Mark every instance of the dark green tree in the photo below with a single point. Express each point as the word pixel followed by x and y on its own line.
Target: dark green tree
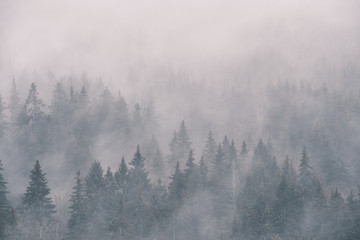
pixel 36 199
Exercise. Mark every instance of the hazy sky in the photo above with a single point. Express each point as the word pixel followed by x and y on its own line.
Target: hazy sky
pixel 104 38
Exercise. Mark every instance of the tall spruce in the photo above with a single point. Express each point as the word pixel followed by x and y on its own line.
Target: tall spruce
pixel 77 224
pixel 36 199
pixel 6 218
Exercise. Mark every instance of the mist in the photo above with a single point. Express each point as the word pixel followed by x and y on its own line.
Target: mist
pixel 274 83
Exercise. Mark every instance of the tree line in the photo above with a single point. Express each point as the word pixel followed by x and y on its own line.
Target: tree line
pixel 225 193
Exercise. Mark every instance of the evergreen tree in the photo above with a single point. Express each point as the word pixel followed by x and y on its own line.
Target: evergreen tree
pixel 121 176
pixel 59 106
pixel 6 218
pixel 77 224
pixel 333 166
pixel 190 174
pixel 32 112
pixel 32 126
pixel 307 180
pixel 174 148
pixel 202 173
pixel 3 123
pixel 177 188
pixel 138 177
pixel 244 149
pixel 210 148
pixel 183 138
pixel 36 199
pixel 94 193
pixel 139 196
pixel 14 105
pixel 159 210
pixel 180 145
pixel 121 119
pixel 336 216
pixel 288 205
pixel 60 116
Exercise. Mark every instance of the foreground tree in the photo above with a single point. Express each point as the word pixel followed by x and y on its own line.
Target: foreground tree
pixel 6 218
pixel 37 210
pixel 77 224
pixel 36 198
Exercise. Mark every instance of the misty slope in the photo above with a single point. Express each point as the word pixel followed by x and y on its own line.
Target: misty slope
pixel 197 187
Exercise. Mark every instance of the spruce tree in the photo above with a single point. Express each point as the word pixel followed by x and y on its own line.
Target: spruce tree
pixel 121 176
pixel 14 105
pixel 138 176
pixel 94 196
pixel 77 224
pixel 6 218
pixel 306 178
pixel 36 199
pixel 190 174
pixel 210 148
pixel 3 123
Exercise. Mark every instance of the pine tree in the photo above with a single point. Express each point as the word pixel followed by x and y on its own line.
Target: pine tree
pixel 333 166
pixel 3 123
pixel 32 112
pixel 174 148
pixel 94 194
pixel 6 218
pixel 138 177
pixel 190 175
pixel 159 210
pixel 184 142
pixel 121 176
pixel 244 149
pixel 180 145
pixel 288 205
pixel 177 187
pixel 306 179
pixel 59 106
pixel 210 148
pixel 36 199
pixel 32 126
pixel 77 224
pixel 139 195
pixel 202 174
pixel 14 105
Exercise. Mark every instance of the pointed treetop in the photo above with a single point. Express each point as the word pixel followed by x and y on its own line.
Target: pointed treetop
pixel 36 196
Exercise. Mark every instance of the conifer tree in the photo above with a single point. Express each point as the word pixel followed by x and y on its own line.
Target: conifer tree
pixel 14 105
pixel 6 218
pixel 244 149
pixel 94 194
pixel 177 187
pixel 306 178
pixel 202 173
pixel 138 177
pixel 3 123
pixel 36 199
pixel 121 176
pixel 210 148
pixel 77 224
pixel 190 174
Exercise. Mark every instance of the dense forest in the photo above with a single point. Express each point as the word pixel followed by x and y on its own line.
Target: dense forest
pixel 297 178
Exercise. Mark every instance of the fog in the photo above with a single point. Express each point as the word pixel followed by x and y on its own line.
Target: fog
pixel 277 75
